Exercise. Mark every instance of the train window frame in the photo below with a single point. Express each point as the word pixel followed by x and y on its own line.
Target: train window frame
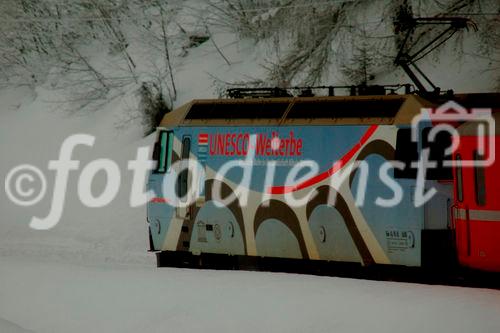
pixel 479 177
pixel 407 153
pixel 182 185
pixel 460 180
pixel 163 152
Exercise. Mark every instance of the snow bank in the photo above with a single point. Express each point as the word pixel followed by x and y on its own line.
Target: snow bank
pixel 48 297
pixel 8 327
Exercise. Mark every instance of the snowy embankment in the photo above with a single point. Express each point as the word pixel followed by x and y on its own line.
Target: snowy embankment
pixel 60 298
pixel 91 273
pixel 8 327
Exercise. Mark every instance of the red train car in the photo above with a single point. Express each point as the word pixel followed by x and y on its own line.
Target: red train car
pixel 476 209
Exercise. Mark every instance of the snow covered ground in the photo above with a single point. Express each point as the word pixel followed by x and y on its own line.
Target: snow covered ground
pixel 92 273
pixel 48 297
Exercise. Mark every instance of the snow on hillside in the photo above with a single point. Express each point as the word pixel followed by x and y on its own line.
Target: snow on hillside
pixel 35 122
pixel 92 272
pixel 33 125
pixel 8 327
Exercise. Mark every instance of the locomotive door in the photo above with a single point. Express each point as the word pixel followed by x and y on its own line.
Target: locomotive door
pixel 460 212
pixel 183 179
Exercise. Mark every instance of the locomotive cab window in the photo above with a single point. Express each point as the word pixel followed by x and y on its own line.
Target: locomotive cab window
pixel 479 181
pixel 406 152
pixel 162 153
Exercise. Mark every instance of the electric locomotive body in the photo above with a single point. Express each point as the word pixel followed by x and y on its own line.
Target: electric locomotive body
pixel 349 202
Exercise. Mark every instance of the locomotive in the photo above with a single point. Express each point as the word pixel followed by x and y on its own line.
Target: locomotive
pixel 228 170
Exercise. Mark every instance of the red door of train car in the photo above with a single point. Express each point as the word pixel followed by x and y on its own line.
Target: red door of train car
pixel 476 209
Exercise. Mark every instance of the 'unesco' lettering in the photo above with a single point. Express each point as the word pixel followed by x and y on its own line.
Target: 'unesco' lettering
pixel 238 144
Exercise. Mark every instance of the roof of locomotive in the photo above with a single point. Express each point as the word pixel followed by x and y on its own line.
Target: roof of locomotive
pixel 283 111
pixel 471 128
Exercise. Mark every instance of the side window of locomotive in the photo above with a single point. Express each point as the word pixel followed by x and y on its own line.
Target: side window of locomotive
pixel 479 182
pixel 459 181
pixel 162 153
pixel 182 180
pixel 437 149
pixel 406 152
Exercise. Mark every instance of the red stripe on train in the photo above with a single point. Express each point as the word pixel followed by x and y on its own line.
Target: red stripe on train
pixel 159 200
pixel 335 168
